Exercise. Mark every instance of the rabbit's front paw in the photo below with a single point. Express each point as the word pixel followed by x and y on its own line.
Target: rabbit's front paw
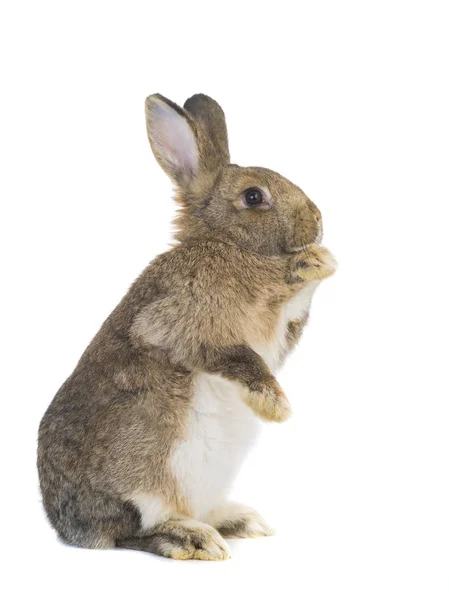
pixel 313 263
pixel 268 401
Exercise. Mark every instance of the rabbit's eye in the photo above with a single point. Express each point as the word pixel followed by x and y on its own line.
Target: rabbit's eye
pixel 253 197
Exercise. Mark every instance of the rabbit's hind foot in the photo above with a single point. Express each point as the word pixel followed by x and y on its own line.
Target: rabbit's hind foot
pixel 183 539
pixel 234 520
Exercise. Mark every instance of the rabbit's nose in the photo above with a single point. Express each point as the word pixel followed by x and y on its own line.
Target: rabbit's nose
pixel 315 211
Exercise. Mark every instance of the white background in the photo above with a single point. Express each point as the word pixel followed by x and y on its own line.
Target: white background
pixel 350 101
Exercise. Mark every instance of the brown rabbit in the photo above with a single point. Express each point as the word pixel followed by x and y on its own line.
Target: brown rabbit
pixel 142 442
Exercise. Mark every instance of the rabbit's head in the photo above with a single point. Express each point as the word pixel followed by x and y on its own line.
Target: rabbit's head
pixel 253 207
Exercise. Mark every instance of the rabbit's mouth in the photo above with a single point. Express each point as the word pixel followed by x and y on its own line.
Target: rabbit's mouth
pixel 297 249
pixel 300 248
pixel 319 237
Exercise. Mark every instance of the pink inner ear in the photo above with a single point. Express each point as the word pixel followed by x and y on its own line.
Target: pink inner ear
pixel 174 138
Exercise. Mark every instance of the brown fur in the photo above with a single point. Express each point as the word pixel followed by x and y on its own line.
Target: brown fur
pixel 200 307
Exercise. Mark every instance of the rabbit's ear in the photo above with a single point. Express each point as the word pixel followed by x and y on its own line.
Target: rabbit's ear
pixel 210 115
pixel 173 138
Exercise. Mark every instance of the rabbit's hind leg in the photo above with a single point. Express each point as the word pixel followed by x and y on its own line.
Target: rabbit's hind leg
pixel 234 520
pixel 87 518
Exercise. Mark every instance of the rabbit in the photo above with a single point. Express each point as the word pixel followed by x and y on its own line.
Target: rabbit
pixel 141 444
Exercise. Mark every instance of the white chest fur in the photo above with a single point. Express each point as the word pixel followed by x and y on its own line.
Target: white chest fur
pixel 220 431
pixel 296 308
